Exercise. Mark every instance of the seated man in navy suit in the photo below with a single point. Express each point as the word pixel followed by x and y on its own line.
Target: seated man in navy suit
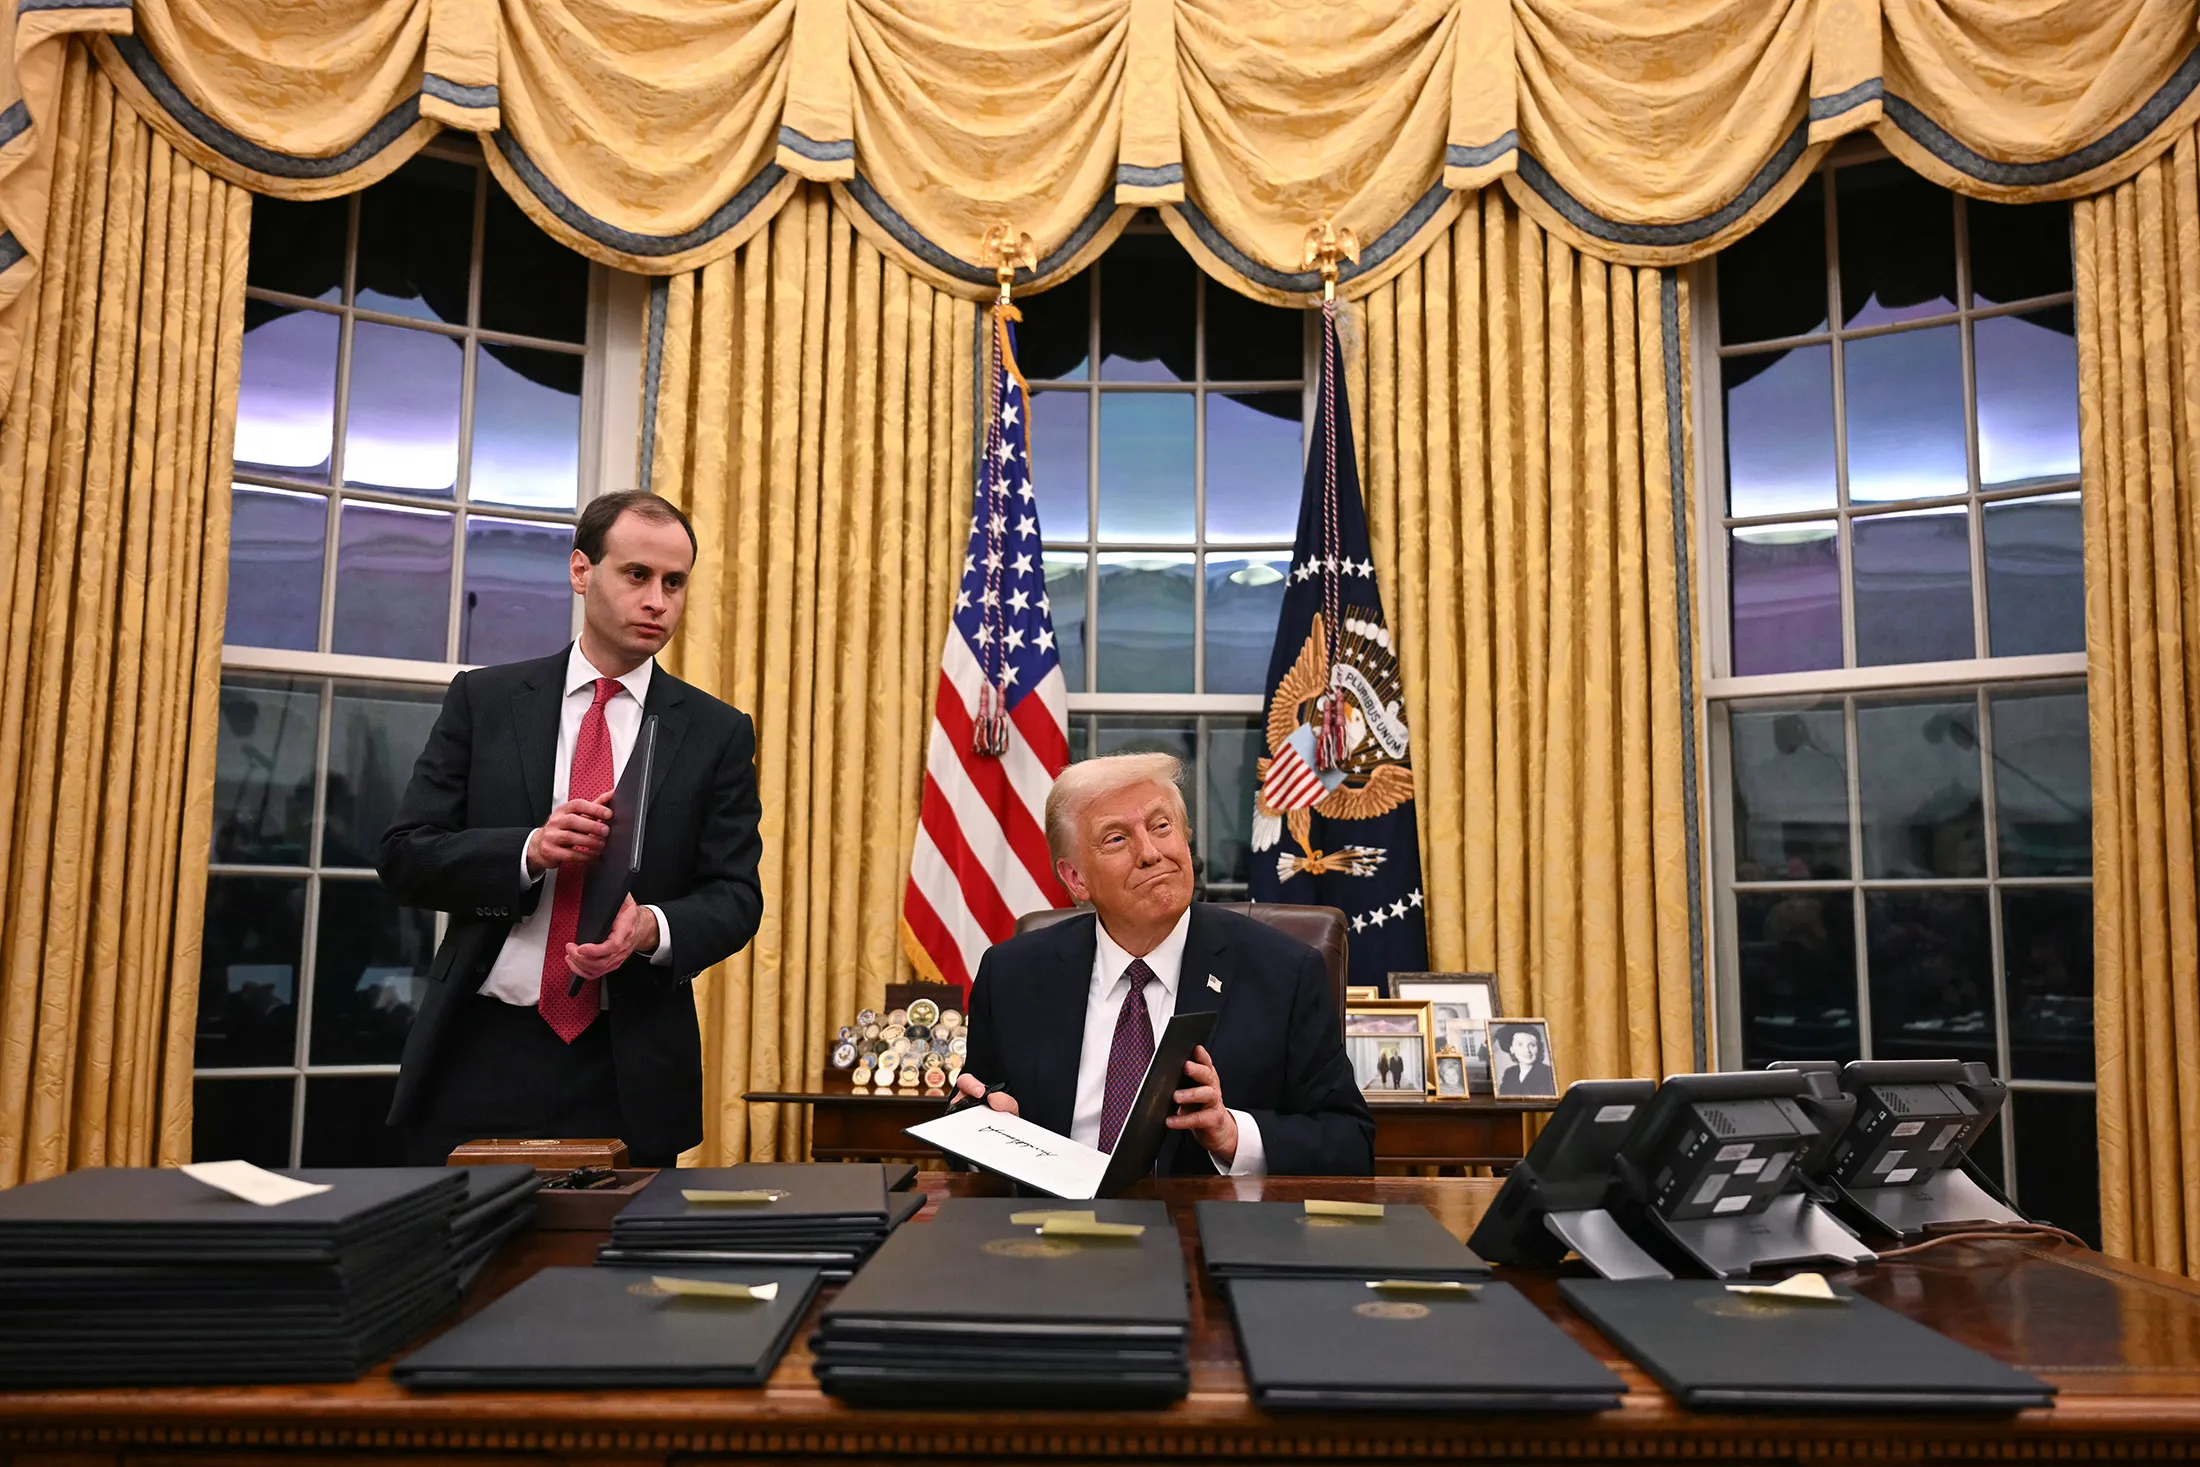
pixel 1064 1019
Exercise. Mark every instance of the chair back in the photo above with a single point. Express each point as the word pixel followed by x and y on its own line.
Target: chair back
pixel 1321 928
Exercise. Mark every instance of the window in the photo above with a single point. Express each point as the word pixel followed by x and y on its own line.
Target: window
pixel 1167 431
pixel 1903 815
pixel 412 427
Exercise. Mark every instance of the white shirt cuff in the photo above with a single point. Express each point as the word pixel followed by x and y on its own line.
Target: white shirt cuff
pixel 661 958
pixel 527 875
pixel 1252 1157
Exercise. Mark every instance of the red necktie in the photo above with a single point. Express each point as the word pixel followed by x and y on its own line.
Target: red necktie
pixel 571 1013
pixel 1128 1056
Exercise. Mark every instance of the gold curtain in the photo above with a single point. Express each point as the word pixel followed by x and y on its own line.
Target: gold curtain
pixel 1522 405
pixel 114 509
pixel 813 415
pixel 2138 288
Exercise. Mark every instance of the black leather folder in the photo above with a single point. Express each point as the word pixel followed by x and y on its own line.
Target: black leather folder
pixel 591 1328
pixel 813 1196
pixel 1713 1349
pixel 1283 1240
pixel 1339 1345
pixel 610 877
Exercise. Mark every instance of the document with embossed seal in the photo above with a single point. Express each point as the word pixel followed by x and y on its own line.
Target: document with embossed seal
pixel 1058 1166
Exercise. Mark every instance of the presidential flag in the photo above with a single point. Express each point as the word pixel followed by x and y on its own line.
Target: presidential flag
pixel 1001 730
pixel 1333 813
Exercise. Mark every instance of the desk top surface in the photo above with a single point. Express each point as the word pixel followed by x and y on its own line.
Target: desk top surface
pixel 2122 1343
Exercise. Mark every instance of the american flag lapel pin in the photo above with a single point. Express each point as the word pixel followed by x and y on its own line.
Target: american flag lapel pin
pixel 1214 983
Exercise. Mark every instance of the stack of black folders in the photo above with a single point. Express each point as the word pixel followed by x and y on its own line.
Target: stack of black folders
pixel 828 1216
pixel 1000 1302
pixel 608 1329
pixel 143 1276
pixel 1715 1348
pixel 500 1204
pixel 1330 1240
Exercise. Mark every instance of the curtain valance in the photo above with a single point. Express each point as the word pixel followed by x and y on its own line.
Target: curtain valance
pixel 658 137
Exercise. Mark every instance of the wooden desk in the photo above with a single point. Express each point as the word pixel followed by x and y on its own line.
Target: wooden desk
pixel 2122 1343
pixel 848 1124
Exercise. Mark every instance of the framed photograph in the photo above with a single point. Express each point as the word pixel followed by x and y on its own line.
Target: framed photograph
pixel 1451 1075
pixel 1520 1059
pixel 1392 1051
pixel 1459 1003
pixel 1356 992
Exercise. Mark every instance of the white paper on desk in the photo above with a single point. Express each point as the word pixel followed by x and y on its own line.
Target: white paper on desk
pixel 1016 1148
pixel 253 1184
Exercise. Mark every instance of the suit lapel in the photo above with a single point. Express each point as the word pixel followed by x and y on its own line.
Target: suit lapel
pixel 666 695
pixel 1059 1036
pixel 535 729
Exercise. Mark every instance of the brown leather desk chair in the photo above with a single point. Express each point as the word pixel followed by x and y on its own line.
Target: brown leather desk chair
pixel 1321 928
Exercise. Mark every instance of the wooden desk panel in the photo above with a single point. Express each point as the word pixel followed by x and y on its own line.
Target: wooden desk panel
pixel 2122 1342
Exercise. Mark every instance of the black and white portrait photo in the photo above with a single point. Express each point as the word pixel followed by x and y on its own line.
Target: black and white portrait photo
pixel 1520 1059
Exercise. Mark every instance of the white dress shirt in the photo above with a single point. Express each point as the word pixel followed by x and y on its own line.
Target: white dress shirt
pixel 1104 1005
pixel 516 976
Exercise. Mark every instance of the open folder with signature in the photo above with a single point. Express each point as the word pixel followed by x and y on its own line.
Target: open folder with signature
pixel 1058 1166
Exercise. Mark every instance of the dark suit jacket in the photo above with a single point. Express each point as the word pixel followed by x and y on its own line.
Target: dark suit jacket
pixel 482 786
pixel 1277 1044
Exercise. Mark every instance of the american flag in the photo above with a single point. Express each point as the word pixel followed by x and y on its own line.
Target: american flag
pixel 1001 732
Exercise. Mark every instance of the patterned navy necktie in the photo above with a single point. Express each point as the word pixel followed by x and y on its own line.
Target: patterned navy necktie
pixel 1128 1056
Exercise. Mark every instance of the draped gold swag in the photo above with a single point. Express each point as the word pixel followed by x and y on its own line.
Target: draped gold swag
pixel 1522 412
pixel 660 138
pixel 114 509
pixel 813 414
pixel 2138 288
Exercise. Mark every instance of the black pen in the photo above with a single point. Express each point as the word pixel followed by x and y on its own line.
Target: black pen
pixel 964 1097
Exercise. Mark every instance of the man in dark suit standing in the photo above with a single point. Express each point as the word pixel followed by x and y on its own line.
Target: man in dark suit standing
pixel 507 806
pixel 1064 1019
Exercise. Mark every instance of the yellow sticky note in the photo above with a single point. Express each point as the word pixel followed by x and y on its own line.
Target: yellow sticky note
pixel 700 1194
pixel 1040 1217
pixel 1071 1227
pixel 713 1289
pixel 1810 1288
pixel 1322 1207
pixel 1424 1286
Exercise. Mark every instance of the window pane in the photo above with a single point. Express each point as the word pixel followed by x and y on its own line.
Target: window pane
pixel 298 249
pixel 2058 1167
pixel 1146 466
pixel 2027 370
pixel 393 582
pixel 376 732
pixel 1913 587
pixel 1146 310
pixel 1244 601
pixel 241 1120
pixel 2018 251
pixel 519 592
pixel 2035 575
pixel 1791 795
pixel 402 429
pixel 2047 954
pixel 1054 340
pixel 1772 281
pixel 346 1122
pixel 1232 751
pixel 530 284
pixel 1779 431
pixel 1918 781
pixel 1248 341
pixel 248 971
pixel 527 428
pixel 1254 466
pixel 1798 975
pixel 1932 975
pixel 263 771
pixel 1145 623
pixel 286 392
pixel 1134 733
pixel 276 542
pixel 2043 792
pixel 1905 416
pixel 1898 245
pixel 1066 605
pixel 416 231
pixel 370 970
pixel 1061 435
pixel 1787 598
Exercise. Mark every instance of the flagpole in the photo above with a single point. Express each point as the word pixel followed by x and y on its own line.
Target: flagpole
pixel 1008 249
pixel 1325 247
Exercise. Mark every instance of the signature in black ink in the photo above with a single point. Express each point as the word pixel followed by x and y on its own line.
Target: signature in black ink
pixel 1013 1140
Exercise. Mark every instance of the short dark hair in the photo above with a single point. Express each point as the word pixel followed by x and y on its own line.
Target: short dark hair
pixel 604 510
